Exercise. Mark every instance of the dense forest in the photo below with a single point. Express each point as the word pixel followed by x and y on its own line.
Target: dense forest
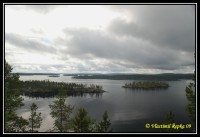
pixel 46 88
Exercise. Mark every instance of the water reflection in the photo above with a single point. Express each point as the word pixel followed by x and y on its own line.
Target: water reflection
pixel 54 94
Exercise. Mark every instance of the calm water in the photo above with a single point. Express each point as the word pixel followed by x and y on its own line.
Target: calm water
pixel 129 110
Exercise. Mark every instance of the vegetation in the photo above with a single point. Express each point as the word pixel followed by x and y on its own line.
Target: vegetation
pixel 190 94
pixel 160 77
pixel 12 99
pixel 82 122
pixel 60 112
pixel 35 118
pixel 103 125
pixel 146 85
pixel 35 87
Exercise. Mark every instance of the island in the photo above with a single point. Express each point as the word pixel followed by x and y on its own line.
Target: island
pixel 51 88
pixel 54 75
pixel 146 85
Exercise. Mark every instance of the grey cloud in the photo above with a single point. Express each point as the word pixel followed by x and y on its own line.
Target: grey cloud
pixel 88 43
pixel 158 37
pixel 165 25
pixel 28 44
pixel 135 53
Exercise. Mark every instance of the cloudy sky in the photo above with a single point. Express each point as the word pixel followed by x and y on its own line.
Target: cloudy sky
pixel 100 38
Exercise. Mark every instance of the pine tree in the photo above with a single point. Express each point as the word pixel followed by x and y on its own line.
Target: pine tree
pixel 191 106
pixel 35 118
pixel 12 101
pixel 103 125
pixel 190 94
pixel 82 122
pixel 61 112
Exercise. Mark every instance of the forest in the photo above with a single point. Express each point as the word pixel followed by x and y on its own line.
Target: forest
pixel 46 88
pixel 146 85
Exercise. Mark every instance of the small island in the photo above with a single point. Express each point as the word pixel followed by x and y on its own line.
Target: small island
pixel 146 85
pixel 54 75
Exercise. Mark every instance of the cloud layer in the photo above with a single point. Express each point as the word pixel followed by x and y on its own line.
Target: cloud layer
pixel 140 39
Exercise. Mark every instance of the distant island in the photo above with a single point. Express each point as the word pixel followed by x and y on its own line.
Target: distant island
pixel 57 75
pixel 146 85
pixel 119 76
pixel 29 74
pixel 160 77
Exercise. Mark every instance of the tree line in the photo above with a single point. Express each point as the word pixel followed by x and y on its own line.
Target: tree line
pixel 46 86
pixel 146 85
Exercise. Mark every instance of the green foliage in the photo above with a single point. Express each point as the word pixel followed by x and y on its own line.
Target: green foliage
pixel 60 112
pixel 82 122
pixel 103 125
pixel 190 94
pixel 14 123
pixel 36 87
pixel 35 118
pixel 12 100
pixel 146 85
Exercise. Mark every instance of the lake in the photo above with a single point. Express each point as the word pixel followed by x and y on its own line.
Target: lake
pixel 129 110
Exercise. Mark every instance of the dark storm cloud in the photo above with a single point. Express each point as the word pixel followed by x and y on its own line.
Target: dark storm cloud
pixel 86 44
pixel 28 44
pixel 164 25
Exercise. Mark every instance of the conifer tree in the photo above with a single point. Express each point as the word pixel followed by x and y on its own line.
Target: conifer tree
pixel 82 122
pixel 35 118
pixel 12 101
pixel 190 94
pixel 103 125
pixel 61 112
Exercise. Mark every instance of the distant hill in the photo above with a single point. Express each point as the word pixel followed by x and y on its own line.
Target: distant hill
pixel 36 73
pixel 164 76
pixel 120 76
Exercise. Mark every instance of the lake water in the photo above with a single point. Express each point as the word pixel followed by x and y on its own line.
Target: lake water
pixel 128 110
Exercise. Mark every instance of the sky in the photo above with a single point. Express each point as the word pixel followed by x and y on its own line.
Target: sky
pixel 141 39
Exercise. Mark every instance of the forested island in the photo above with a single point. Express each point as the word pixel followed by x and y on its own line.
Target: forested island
pixel 51 88
pixel 146 85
